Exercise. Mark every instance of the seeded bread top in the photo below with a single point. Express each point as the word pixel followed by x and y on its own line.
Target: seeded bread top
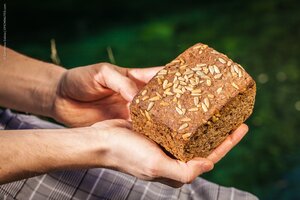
pixel 191 89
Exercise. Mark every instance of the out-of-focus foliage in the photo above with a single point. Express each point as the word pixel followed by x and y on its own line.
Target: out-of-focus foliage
pixel 263 36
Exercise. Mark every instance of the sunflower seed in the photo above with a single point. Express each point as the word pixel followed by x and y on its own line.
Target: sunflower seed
pixel 208 82
pixel 175 61
pixel 236 69
pixel 186 136
pixel 199 73
pixel 137 101
pixel 181 61
pixel 163 103
pixel 159 81
pixel 234 85
pixel 205 70
pixel 186 119
pixel 206 102
pixel 218 76
pixel 204 108
pixel 179 110
pixel 189 88
pixel 165 84
pixel 197 47
pixel 222 60
pixel 240 73
pixel 211 69
pixel 177 91
pixel 229 63
pixel 150 106
pixel 196 101
pixel 154 98
pixel 142 113
pixel 219 90
pixel 147 115
pixel 183 66
pixel 178 74
pixel 183 126
pixel 168 93
pixel 144 92
pixel 196 91
pixel 187 72
pixel 201 65
pixel 163 72
pixel 158 95
pixel 145 98
pixel 217 70
pixel 196 68
pixel 182 83
pixel 211 96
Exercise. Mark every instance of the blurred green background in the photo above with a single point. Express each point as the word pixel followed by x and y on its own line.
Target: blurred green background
pixel 263 36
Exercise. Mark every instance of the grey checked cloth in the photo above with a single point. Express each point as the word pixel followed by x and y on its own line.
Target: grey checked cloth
pixel 100 183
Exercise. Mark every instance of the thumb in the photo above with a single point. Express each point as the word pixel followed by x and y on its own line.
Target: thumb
pixel 119 83
pixel 185 172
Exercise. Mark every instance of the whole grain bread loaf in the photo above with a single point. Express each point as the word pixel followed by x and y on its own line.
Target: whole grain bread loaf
pixel 194 103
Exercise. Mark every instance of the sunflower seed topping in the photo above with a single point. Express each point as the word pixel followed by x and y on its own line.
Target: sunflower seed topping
pixel 154 98
pixel 144 92
pixel 186 136
pixel 150 106
pixel 183 126
pixel 145 98
pixel 206 102
pixel 204 107
pixel 147 115
pixel 196 101
pixel 186 119
pixel 217 70
pixel 219 90
pixel 234 85
pixel 222 60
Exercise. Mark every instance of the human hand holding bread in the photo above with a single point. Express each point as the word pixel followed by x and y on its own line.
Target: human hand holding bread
pixel 104 91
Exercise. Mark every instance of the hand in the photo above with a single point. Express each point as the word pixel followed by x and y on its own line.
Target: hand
pixel 86 95
pixel 135 154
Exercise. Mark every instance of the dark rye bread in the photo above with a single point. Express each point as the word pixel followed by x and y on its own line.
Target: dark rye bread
pixel 194 103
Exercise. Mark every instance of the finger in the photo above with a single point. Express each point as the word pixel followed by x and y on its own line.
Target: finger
pixel 184 172
pixel 228 143
pixel 118 82
pixel 143 74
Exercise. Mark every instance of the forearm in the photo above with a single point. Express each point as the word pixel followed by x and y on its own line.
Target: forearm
pixel 26 153
pixel 27 84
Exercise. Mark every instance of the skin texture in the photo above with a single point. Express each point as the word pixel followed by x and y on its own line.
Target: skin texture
pixel 94 101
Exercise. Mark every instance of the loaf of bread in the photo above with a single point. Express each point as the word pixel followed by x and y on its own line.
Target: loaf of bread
pixel 194 103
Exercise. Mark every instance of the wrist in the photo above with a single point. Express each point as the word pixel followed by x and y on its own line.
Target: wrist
pixel 47 92
pixel 82 148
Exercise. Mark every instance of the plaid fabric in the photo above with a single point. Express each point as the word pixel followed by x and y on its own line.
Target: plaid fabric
pixel 100 183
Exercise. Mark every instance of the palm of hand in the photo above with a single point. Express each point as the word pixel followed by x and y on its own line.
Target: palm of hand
pixel 95 93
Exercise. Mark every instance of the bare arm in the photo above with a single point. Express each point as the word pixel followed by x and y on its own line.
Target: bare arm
pixel 27 84
pixel 27 153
